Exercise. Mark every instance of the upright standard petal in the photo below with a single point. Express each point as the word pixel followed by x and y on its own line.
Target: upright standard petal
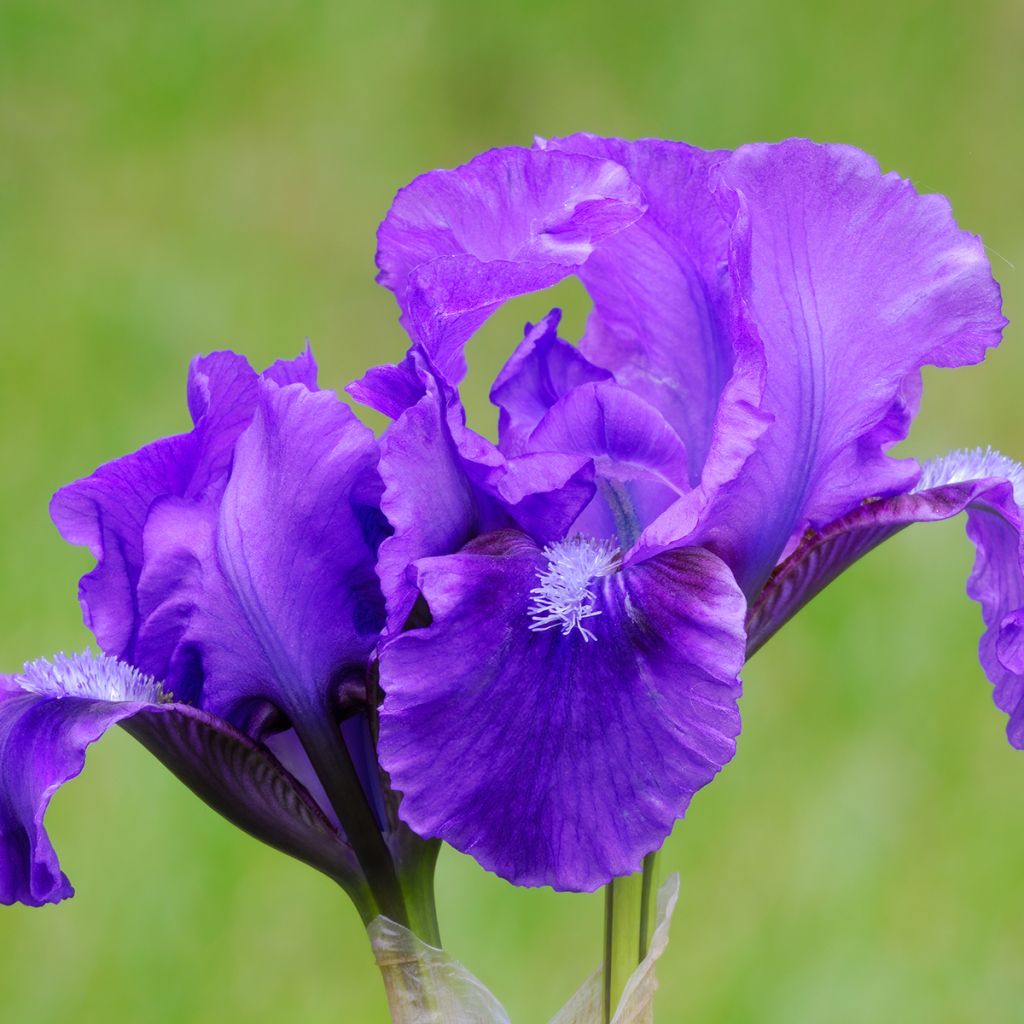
pixel 50 714
pixel 855 282
pixel 107 511
pixel 274 586
pixel 985 485
pixel 668 316
pixel 458 243
pixel 561 756
pixel 543 369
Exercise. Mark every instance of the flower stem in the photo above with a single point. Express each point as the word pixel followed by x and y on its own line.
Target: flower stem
pixel 628 920
pixel 331 760
pixel 416 878
pixel 650 887
pixel 622 918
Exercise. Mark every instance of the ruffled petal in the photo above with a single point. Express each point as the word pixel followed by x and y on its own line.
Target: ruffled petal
pixel 557 759
pixel 53 711
pixel 222 390
pixel 990 489
pixel 272 592
pixel 107 511
pixel 392 388
pixel 457 243
pixel 855 282
pixel 543 369
pixel 639 460
pixel 668 318
pixel 444 484
pixel 428 498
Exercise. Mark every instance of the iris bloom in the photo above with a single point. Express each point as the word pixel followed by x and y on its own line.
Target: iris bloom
pixel 237 607
pixel 580 597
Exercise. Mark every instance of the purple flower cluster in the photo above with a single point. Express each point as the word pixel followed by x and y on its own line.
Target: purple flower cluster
pixel 529 649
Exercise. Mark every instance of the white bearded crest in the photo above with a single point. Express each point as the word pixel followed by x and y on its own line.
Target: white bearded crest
pixel 88 675
pixel 563 597
pixel 962 465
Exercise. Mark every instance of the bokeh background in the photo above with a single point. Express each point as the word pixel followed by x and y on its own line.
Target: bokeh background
pixel 180 177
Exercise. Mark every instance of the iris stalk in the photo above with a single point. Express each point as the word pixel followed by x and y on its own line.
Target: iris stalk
pixel 627 930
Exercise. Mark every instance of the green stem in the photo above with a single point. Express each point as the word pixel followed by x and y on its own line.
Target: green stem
pixel 416 877
pixel 650 887
pixel 628 922
pixel 622 917
pixel 332 762
pixel 408 968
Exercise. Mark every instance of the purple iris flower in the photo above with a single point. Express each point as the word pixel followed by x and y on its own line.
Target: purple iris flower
pixel 237 607
pixel 569 609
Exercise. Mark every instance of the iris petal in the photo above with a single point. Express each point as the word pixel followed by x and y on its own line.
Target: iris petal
pixel 445 484
pixel 639 460
pixel 53 711
pixel 855 282
pixel 996 581
pixel 272 589
pixel 458 243
pixel 668 316
pixel 107 511
pixel 543 369
pixel 553 759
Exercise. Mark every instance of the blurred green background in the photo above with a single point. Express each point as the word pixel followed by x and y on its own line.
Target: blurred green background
pixel 175 178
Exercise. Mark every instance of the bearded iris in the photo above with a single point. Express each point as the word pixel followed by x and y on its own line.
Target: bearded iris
pixel 237 608
pixel 557 621
pixel 663 496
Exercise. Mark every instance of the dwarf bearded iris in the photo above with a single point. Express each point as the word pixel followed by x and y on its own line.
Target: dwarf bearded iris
pixel 663 496
pixel 557 621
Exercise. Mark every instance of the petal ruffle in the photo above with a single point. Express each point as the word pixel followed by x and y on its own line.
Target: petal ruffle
pixel 855 282
pixel 639 460
pixel 51 713
pixel 996 581
pixel 668 319
pixel 543 369
pixel 551 759
pixel 458 243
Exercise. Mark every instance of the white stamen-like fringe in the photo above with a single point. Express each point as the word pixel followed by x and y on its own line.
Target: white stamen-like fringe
pixel 96 676
pixel 563 597
pixel 962 465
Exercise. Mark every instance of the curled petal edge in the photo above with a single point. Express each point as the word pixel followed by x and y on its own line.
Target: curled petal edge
pixel 996 582
pixel 51 714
